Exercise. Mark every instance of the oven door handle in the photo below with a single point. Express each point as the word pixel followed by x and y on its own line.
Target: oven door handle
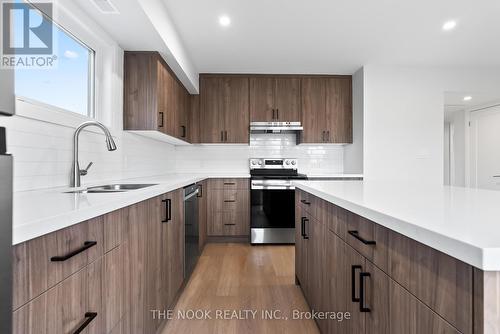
pixel 272 187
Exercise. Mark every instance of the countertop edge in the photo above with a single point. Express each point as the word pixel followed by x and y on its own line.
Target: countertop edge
pixel 40 227
pixel 480 258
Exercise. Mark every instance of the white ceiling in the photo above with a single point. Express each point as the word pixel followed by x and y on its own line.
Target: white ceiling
pixel 336 36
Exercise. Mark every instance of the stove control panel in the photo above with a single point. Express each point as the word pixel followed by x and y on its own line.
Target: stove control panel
pixel 273 163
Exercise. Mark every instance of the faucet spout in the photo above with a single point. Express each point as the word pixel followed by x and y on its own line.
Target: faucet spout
pixel 110 144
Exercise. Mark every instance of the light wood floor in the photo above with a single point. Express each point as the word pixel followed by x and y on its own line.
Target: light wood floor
pixel 243 277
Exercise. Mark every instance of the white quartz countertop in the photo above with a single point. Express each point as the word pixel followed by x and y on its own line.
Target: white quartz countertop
pixel 461 222
pixel 40 212
pixel 334 176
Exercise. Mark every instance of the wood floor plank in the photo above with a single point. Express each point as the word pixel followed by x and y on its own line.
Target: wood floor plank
pixel 243 278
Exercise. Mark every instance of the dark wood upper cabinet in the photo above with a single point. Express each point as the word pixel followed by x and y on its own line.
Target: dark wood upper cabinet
pixel 314 110
pixel 154 99
pixel 274 99
pixel 224 113
pixel 327 109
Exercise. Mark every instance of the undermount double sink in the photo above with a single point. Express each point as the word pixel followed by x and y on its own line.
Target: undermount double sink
pixel 111 188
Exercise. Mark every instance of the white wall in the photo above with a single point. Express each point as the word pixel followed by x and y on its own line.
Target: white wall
pixel 353 153
pixel 403 118
pixel 313 159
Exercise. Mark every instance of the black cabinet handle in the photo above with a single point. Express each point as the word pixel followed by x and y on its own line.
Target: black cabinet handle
pixel 362 307
pixel 302 227
pixel 86 245
pixel 356 235
pixel 328 135
pixel 277 114
pixel 353 283
pixel 306 231
pixel 303 201
pixel 168 210
pixel 161 119
pixel 229 224
pixel 89 317
pixel 222 136
pixel 183 127
pixel 225 136
pixel 229 183
pixel 200 192
pixel 273 114
pixel 229 200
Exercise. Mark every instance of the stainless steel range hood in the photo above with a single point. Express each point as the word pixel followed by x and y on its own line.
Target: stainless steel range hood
pixel 276 127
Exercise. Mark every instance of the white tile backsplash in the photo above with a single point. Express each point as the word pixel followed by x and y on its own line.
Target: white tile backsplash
pixel 313 159
pixel 43 155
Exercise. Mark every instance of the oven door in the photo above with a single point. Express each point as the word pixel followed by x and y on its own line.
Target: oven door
pixel 272 212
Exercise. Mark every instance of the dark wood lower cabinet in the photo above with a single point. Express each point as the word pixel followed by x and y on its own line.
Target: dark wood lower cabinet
pixel 398 286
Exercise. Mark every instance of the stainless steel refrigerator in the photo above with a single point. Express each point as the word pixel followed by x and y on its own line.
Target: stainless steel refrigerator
pixel 6 109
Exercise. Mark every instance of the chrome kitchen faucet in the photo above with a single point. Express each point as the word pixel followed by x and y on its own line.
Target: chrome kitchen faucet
pixel 76 172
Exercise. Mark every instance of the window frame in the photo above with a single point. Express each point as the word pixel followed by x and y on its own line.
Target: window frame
pixel 106 57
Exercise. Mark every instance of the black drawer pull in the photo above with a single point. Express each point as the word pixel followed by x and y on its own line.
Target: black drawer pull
pixel 161 118
pixel 86 245
pixel 200 192
pixel 356 235
pixel 306 230
pixel 229 224
pixel 229 200
pixel 353 283
pixel 303 201
pixel 229 183
pixel 362 307
pixel 168 210
pixel 302 227
pixel 89 317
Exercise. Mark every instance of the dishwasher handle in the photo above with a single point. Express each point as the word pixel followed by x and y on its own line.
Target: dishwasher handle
pixel 194 193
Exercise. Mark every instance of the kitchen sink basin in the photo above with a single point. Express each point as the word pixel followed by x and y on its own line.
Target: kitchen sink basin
pixel 112 188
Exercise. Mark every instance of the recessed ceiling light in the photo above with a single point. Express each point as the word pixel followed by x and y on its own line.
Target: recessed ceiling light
pixel 224 20
pixel 467 98
pixel 449 25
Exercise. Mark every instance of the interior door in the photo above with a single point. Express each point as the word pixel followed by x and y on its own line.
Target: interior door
pixel 262 99
pixel 212 114
pixel 339 110
pixel 236 110
pixel 485 155
pixel 313 110
pixel 287 99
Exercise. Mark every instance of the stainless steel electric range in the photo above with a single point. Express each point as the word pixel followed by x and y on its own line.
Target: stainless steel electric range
pixel 273 200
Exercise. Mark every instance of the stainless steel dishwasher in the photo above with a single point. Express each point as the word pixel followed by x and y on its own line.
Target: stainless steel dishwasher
pixel 192 235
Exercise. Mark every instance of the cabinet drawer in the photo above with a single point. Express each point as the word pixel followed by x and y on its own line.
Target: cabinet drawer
pixel 41 263
pixel 65 307
pixel 226 184
pixel 368 238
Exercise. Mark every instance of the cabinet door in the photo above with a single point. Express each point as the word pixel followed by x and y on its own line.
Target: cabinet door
pixel 300 244
pixel 287 99
pixel 236 112
pixel 355 263
pixel 316 262
pixel 338 290
pixel 172 102
pixel 212 113
pixel 181 111
pixel 376 299
pixel 135 266
pixel 339 110
pixel 172 252
pixel 202 214
pixel 64 308
pixel 262 106
pixel 313 110
pixel 193 121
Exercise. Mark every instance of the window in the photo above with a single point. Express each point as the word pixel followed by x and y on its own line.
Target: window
pixel 70 84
